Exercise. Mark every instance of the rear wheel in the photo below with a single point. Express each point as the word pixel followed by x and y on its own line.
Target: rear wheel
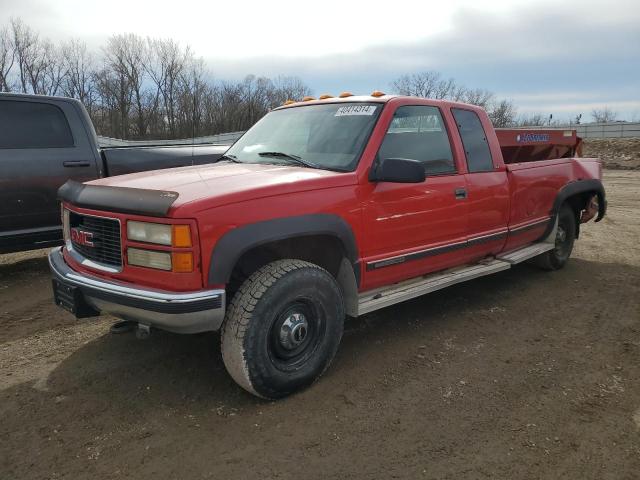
pixel 565 237
pixel 283 328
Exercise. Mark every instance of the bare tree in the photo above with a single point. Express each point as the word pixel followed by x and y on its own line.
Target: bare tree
pixel 287 88
pixel 604 115
pixel 427 84
pixel 533 120
pixel 114 95
pixel 7 58
pixel 25 44
pixel 79 69
pixel 139 88
pixel 125 55
pixel 478 96
pixel 431 84
pixel 166 65
pixel 51 68
pixel 502 114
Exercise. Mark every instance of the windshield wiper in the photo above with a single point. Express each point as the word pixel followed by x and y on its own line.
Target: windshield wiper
pixel 231 158
pixel 289 156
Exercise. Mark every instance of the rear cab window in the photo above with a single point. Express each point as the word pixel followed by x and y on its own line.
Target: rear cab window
pixel 474 140
pixel 417 132
pixel 33 125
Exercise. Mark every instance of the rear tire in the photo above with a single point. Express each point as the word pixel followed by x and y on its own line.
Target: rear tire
pixel 282 328
pixel 565 237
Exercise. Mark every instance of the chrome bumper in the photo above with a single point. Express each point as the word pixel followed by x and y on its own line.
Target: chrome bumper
pixel 189 312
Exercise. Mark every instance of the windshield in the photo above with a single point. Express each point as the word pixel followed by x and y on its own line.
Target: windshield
pixel 330 136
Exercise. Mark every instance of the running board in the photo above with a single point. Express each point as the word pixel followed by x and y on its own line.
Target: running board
pixel 526 253
pixel 399 292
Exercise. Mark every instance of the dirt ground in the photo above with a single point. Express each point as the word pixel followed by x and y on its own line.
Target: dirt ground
pixel 525 374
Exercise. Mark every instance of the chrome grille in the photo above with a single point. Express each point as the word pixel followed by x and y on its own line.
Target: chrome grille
pixel 105 236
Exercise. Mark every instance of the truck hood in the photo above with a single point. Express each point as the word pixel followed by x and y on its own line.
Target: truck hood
pixel 222 183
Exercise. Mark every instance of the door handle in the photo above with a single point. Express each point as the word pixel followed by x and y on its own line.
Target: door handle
pixel 461 193
pixel 76 163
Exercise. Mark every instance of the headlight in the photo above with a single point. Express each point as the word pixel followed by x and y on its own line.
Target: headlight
pixel 149 232
pixel 159 233
pixel 149 258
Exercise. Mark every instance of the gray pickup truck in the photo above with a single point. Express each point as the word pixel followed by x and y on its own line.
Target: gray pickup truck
pixel 45 141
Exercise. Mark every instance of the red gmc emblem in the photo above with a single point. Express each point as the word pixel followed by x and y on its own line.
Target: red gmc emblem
pixel 81 237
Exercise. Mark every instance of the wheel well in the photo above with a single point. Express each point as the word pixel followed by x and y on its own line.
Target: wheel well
pixel 578 202
pixel 326 251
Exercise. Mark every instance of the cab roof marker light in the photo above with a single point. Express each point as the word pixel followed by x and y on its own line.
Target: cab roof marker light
pixel 345 95
pixel 377 93
pixel 324 96
pixel 308 99
pixel 289 102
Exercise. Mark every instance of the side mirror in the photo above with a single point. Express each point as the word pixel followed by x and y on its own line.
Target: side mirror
pixel 397 170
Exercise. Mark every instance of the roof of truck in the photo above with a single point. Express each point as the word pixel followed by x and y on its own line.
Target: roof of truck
pixel 376 97
pixel 32 96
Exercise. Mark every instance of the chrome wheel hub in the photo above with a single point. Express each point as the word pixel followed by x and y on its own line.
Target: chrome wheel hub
pixel 294 331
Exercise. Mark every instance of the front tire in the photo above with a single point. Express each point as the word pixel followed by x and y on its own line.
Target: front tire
pixel 565 237
pixel 282 328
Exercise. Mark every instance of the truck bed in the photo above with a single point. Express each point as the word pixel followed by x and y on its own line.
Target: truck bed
pixel 529 145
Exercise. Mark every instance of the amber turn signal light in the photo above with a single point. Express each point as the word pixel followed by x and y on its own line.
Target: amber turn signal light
pixel 182 262
pixel 181 236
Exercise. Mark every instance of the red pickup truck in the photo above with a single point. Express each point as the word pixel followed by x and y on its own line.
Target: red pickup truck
pixel 324 209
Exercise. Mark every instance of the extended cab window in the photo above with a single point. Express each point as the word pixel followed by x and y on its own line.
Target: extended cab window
pixel 33 125
pixel 474 140
pixel 418 133
pixel 330 136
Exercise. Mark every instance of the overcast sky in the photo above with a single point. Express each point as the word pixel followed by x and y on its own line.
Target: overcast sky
pixel 547 56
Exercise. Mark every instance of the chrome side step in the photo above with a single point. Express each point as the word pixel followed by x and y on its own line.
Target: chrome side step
pixel 526 253
pixel 399 292
pixel 385 296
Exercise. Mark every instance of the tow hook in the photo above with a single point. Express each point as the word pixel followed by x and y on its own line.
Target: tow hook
pixel 143 332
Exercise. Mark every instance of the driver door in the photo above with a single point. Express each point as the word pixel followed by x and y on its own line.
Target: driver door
pixel 415 228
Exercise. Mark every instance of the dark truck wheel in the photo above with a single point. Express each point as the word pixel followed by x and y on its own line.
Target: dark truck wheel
pixel 556 259
pixel 283 328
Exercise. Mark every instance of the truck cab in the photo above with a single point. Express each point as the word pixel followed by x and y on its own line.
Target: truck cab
pixel 324 209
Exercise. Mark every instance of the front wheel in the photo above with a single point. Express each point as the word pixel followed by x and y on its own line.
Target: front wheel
pixel 283 328
pixel 565 237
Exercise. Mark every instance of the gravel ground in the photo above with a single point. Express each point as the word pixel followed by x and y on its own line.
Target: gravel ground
pixel 525 374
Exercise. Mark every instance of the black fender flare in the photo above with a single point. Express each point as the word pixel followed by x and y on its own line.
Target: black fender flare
pixel 574 188
pixel 232 245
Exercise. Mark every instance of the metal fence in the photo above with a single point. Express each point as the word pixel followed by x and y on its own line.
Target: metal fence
pixel 600 130
pixel 608 130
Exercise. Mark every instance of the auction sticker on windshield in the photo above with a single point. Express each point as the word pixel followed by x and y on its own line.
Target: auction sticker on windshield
pixel 355 110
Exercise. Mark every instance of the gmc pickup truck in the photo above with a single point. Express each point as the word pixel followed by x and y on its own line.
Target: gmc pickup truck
pixel 44 141
pixel 324 209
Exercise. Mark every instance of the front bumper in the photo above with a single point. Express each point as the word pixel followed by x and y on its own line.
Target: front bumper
pixel 189 312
